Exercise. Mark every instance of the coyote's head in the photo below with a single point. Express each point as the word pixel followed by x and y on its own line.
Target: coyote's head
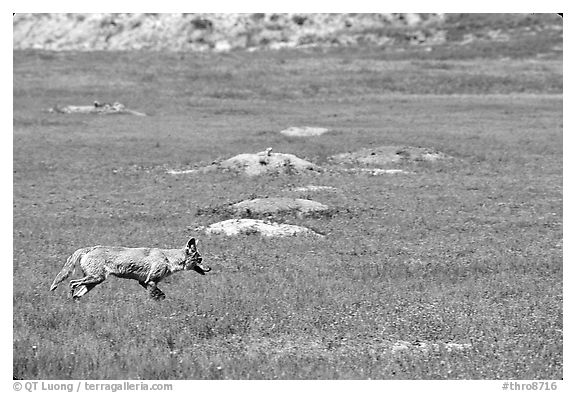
pixel 193 260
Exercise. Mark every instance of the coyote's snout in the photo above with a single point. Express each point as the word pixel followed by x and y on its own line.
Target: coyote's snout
pixel 147 265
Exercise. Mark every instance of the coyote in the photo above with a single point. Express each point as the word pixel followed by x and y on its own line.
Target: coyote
pixel 147 265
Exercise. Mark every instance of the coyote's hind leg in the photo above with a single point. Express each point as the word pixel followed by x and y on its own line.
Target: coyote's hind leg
pixel 86 284
pixel 86 280
pixel 82 290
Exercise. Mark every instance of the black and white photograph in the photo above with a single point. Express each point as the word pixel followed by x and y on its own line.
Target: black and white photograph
pixel 287 196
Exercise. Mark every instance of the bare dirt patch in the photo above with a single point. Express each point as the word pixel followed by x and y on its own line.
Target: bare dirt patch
pixel 385 155
pixel 263 206
pixel 96 109
pixel 248 226
pixel 280 345
pixel 182 172
pixel 312 187
pixel 424 347
pixel 374 171
pixel 304 131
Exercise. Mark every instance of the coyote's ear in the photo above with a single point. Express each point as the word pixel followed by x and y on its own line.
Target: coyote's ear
pixel 191 245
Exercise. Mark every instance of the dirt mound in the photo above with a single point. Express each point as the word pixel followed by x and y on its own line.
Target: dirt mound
pixel 384 155
pixel 249 226
pixel 277 205
pixel 266 162
pixel 262 163
pixel 304 131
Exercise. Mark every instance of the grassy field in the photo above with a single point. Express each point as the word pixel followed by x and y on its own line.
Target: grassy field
pixel 465 251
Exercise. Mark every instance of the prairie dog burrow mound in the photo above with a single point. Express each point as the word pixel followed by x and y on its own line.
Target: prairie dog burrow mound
pixel 263 206
pixel 255 164
pixel 268 162
pixel 385 155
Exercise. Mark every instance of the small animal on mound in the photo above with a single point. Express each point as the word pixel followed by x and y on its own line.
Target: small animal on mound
pixel 148 266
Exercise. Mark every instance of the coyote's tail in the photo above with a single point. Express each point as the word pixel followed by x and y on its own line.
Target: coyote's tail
pixel 69 267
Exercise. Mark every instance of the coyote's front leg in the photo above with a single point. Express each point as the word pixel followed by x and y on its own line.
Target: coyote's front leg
pixel 154 292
